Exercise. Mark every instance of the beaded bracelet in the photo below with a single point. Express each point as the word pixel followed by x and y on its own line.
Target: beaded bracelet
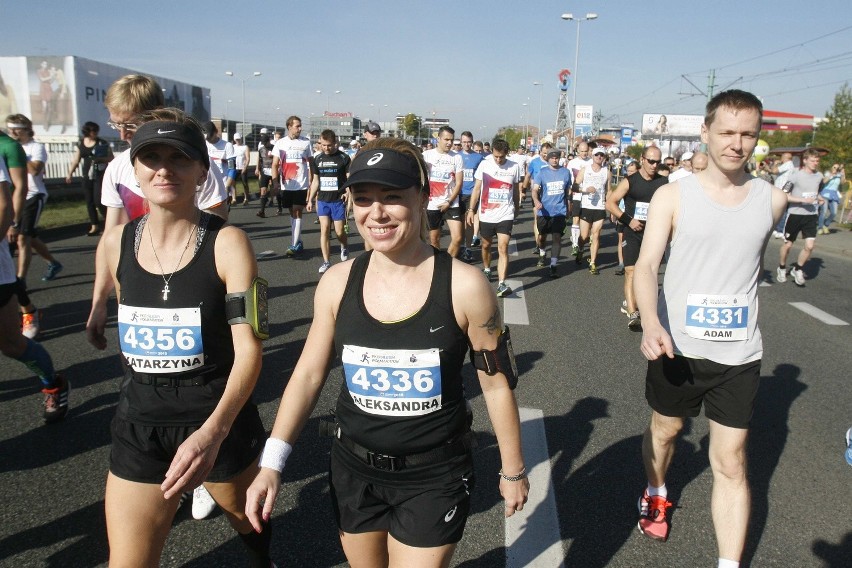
pixel 518 477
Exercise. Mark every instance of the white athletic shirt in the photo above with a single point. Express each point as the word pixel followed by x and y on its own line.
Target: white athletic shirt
pixel 496 200
pixel 36 152
pixel 121 190
pixel 591 178
pixel 218 151
pixel 8 270
pixel 679 174
pixel 240 155
pixel 575 165
pixel 293 155
pixel 445 171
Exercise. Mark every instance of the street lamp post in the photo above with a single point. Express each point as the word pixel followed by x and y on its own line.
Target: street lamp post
pixel 540 94
pixel 569 16
pixel 327 104
pixel 526 115
pixel 243 81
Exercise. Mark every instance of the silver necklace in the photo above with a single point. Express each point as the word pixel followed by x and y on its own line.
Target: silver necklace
pixel 166 289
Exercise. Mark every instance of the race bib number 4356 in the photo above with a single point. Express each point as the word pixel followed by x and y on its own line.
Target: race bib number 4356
pixel 156 340
pixel 719 317
pixel 393 382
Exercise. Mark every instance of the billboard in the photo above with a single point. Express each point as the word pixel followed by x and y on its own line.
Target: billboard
pixel 671 125
pixel 583 114
pixel 60 93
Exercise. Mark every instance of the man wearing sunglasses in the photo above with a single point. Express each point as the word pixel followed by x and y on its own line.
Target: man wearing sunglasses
pixel 637 191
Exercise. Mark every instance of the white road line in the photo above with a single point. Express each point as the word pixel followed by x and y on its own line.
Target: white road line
pixel 513 247
pixel 764 283
pixel 532 535
pixel 515 305
pixel 817 313
pixel 264 254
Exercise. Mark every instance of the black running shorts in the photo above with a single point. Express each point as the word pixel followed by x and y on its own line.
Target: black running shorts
pixel 31 215
pixel 795 224
pixel 592 215
pixel 434 219
pixel 632 243
pixel 423 514
pixel 679 386
pixel 295 198
pixel 488 230
pixel 143 453
pixel 550 225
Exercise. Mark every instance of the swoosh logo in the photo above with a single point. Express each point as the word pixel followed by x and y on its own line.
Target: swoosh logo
pixel 434 329
pixel 165 131
pixel 449 516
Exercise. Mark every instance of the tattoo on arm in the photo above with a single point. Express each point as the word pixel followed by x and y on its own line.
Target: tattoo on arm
pixel 493 323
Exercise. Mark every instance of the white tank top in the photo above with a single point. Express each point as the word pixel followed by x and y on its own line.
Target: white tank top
pixel 591 178
pixel 708 302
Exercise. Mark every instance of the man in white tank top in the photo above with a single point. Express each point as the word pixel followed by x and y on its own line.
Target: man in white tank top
pixel 701 337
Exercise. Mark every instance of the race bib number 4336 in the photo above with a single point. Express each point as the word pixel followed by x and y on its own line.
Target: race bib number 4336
pixel 720 317
pixel 157 340
pixel 393 382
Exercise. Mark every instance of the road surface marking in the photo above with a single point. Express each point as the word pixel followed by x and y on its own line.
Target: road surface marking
pixel 265 254
pixel 513 247
pixel 817 313
pixel 532 535
pixel 515 305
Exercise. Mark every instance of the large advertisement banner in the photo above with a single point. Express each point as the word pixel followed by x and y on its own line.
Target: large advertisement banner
pixel 672 125
pixel 60 93
pixel 583 114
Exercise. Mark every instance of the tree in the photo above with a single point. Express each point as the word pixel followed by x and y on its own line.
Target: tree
pixel 412 126
pixel 836 132
pixel 510 135
pixel 786 138
pixel 634 151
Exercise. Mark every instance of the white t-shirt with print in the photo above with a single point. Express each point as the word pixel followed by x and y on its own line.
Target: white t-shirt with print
pixel 445 171
pixel 293 155
pixel 496 196
pixel 36 152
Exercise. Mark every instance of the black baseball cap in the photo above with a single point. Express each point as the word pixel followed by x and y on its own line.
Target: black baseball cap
pixel 184 137
pixel 554 153
pixel 372 127
pixel 385 167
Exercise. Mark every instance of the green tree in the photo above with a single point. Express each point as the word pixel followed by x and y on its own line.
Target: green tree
pixel 786 138
pixel 511 135
pixel 836 132
pixel 413 126
pixel 634 151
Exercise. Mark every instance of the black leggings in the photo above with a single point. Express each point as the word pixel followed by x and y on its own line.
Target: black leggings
pixel 92 188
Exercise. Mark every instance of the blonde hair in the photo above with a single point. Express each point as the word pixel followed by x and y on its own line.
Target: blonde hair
pixel 134 94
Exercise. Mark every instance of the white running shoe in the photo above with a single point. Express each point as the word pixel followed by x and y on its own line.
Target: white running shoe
pixel 202 503
pixel 798 276
pixel 324 266
pixel 780 275
pixel 344 254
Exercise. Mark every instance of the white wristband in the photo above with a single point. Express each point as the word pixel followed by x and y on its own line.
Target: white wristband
pixel 275 454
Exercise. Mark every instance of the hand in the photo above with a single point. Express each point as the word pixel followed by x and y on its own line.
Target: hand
pixel 260 497
pixel 192 462
pixel 469 218
pixel 68 178
pixel 537 206
pixel 443 207
pixel 95 327
pixel 655 342
pixel 309 206
pixel 636 225
pixel 515 494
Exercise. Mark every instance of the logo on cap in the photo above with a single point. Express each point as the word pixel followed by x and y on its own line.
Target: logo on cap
pixel 160 131
pixel 375 159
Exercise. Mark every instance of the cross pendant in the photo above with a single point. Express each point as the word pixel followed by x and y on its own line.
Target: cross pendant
pixel 166 292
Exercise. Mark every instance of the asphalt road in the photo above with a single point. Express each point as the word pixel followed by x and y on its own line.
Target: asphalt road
pixel 580 366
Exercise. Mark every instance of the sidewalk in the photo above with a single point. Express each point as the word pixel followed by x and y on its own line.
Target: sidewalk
pixel 838 242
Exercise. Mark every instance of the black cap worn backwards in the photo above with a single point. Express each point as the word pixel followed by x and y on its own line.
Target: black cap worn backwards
pixel 385 167
pixel 185 138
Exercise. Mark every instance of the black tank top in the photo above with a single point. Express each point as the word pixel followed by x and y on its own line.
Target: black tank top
pixel 402 392
pixel 641 190
pixel 196 285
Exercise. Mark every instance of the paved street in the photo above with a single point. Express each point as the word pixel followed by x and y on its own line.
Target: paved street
pixel 581 369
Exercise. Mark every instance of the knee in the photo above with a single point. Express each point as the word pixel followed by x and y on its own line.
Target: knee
pixel 730 466
pixel 664 432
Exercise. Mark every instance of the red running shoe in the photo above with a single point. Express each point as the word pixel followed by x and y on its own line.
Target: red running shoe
pixel 653 517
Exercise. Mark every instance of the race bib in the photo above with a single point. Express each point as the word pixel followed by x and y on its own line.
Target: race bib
pixel 157 340
pixel 328 184
pixel 267 171
pixel 468 174
pixel 554 188
pixel 393 382
pixel 809 195
pixel 720 317
pixel 641 212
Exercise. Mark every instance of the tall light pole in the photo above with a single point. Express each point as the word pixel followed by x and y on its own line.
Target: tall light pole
pixel 243 81
pixel 526 115
pixel 569 16
pixel 327 104
pixel 540 93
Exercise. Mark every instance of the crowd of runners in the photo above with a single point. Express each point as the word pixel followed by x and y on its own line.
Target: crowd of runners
pixel 401 318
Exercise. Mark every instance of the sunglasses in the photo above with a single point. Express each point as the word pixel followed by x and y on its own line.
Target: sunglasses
pixel 128 126
pixel 652 162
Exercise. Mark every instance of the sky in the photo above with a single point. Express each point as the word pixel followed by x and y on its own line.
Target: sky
pixel 474 62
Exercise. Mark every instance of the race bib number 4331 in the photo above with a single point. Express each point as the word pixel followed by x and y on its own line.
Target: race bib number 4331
pixel 720 317
pixel 157 340
pixel 393 382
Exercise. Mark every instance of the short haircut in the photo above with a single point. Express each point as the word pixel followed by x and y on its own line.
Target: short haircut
pixel 446 129
pixel 500 145
pixel 170 114
pixel 810 153
pixel 546 145
pixel 467 133
pixel 90 128
pixel 735 100
pixel 648 149
pixel 134 94
pixel 292 119
pixel 328 135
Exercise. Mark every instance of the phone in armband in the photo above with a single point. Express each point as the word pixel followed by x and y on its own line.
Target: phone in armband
pixel 499 360
pixel 250 307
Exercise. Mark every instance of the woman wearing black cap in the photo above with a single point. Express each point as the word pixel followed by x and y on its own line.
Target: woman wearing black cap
pixel 184 414
pixel 401 463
